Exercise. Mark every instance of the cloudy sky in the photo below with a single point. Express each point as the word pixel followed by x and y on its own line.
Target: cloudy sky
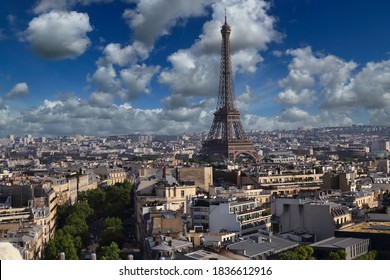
pixel 106 67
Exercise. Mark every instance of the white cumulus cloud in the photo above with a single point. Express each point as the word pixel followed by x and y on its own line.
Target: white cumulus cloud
pixel 295 114
pixel 19 90
pixel 289 97
pixel 48 5
pixel 369 89
pixel 59 35
pixel 58 117
pixel 113 53
pixel 338 88
pixel 105 79
pixel 152 19
pixel 136 80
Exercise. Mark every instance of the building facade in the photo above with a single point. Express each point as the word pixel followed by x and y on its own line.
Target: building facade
pixel 313 216
pixel 240 216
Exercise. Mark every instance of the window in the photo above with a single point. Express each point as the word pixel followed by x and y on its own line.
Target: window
pixel 182 193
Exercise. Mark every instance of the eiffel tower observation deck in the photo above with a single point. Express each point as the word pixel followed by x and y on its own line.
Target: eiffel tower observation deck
pixel 227 138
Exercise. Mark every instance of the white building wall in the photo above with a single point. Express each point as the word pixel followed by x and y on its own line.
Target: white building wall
pixel 219 218
pixel 318 221
pixel 291 218
pixel 277 204
pixel 313 218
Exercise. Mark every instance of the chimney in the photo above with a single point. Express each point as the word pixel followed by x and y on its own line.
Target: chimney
pixel 26 255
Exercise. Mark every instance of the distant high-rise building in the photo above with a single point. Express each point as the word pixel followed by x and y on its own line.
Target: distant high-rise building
pixel 227 138
pixel 145 138
pixel 28 139
pixel 380 146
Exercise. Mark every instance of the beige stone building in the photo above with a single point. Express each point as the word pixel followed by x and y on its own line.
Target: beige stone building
pixel 163 187
pixel 261 195
pixel 111 175
pixel 199 176
pixel 162 234
pixel 61 188
pixel 18 228
pixel 165 222
pixel 168 196
pixel 345 181
pixel 266 181
pixel 175 197
pixel 360 200
pixel 80 183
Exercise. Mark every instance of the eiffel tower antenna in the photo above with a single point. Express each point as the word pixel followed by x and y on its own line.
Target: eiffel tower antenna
pixel 227 137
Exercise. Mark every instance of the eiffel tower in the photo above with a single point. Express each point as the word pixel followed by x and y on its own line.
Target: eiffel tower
pixel 227 138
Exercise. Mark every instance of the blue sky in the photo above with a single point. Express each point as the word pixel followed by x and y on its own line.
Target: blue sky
pixel 105 67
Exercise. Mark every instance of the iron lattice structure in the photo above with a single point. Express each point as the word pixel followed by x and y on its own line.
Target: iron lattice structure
pixel 227 138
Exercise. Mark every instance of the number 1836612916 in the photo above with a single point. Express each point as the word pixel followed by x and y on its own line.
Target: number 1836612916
pixel 246 270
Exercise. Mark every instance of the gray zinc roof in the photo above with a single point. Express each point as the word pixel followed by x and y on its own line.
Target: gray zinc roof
pixel 337 242
pixel 259 244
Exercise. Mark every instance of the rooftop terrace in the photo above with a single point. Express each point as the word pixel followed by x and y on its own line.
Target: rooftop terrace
pixel 370 227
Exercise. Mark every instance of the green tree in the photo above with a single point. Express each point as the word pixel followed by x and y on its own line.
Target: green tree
pixel 267 212
pixel 78 243
pixel 288 255
pixel 372 255
pixel 299 253
pixel 118 199
pixel 111 252
pixel 76 223
pixel 337 255
pixel 113 231
pixel 76 226
pixel 333 256
pixel 51 251
pixel 63 212
pixel 113 222
pixel 305 251
pixel 96 198
pixel 82 209
pixel 62 242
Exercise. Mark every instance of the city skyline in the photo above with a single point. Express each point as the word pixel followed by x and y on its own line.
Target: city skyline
pixel 102 67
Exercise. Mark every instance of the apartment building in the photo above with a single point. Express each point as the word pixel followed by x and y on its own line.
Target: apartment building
pixel 242 216
pixel 344 181
pixel 314 216
pixel 18 228
pixel 199 176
